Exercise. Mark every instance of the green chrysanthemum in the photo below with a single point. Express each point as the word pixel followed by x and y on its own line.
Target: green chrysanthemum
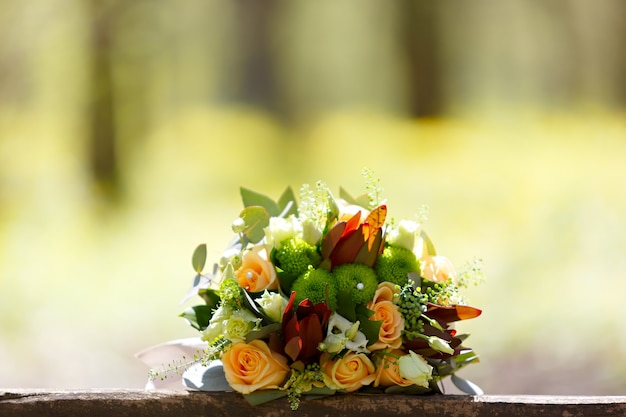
pixel 359 279
pixel 313 284
pixel 295 256
pixel 394 265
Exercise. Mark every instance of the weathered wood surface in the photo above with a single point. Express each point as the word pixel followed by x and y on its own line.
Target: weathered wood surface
pixel 121 403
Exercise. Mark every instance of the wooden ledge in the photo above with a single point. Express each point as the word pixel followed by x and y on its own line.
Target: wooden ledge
pixel 121 403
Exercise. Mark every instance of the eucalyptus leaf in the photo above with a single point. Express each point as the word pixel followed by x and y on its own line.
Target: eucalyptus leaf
pixel 257 218
pixel 343 194
pixel 466 386
pixel 200 282
pixel 198 259
pixel 287 203
pixel 252 198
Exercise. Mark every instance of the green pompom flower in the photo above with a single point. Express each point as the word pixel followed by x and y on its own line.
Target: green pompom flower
pixel 312 285
pixel 359 279
pixel 295 256
pixel 394 265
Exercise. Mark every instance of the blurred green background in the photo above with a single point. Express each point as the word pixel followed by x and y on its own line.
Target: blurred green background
pixel 126 129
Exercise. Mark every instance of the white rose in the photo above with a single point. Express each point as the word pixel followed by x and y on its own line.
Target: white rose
pixel 310 233
pixel 281 229
pixel 273 304
pixel 404 234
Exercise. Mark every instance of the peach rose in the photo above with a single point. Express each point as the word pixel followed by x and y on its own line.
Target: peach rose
pixel 387 373
pixel 392 321
pixel 347 210
pixel 256 272
pixel 437 269
pixel 252 366
pixel 386 291
pixel 347 373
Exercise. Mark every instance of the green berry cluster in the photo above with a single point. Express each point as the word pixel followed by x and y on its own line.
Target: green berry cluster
pixel 230 291
pixel 395 264
pixel 412 304
pixel 302 381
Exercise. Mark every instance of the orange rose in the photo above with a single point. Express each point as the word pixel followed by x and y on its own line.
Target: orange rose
pixel 256 272
pixel 392 321
pixel 437 269
pixel 387 373
pixel 252 366
pixel 348 373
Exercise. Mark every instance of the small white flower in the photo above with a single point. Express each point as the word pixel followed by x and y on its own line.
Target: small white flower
pixel 239 324
pixel 342 333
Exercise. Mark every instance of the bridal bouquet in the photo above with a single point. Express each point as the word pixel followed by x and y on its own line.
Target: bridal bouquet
pixel 320 295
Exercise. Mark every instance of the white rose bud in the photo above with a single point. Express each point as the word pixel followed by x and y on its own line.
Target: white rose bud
pixel 239 225
pixel 415 368
pixel 440 345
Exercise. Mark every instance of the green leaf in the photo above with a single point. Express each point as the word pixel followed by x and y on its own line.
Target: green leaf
pixel 198 260
pixel 257 218
pixel 370 328
pixel 430 248
pixel 210 297
pixel 263 332
pixel 345 305
pixel 410 390
pixel 346 196
pixel 252 198
pixel 318 392
pixel 198 316
pixel 285 199
pixel 264 395
pixel 464 359
pixel 255 308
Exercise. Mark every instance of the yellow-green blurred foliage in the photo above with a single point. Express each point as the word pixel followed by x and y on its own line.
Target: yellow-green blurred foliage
pixel 521 164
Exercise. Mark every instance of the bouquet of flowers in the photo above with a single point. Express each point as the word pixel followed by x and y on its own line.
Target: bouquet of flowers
pixel 322 295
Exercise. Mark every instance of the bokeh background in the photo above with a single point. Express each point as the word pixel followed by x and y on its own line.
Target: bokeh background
pixel 126 129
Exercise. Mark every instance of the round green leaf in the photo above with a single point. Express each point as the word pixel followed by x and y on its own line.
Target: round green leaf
pixel 257 218
pixel 198 259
